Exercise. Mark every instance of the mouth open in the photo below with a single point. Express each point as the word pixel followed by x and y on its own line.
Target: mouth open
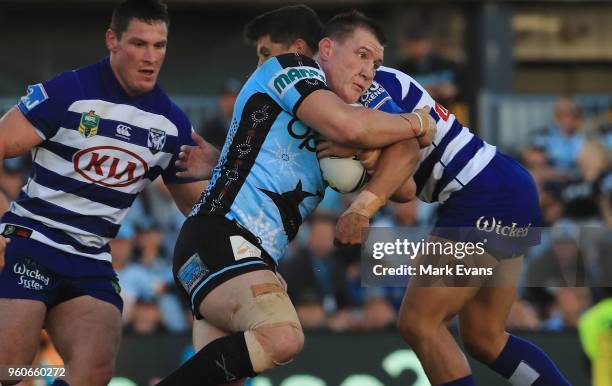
pixel 147 72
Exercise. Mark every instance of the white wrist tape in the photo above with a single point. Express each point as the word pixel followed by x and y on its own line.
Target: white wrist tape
pixel 366 204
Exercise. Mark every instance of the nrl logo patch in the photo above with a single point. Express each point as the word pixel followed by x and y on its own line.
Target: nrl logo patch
pixel 88 127
pixel 156 140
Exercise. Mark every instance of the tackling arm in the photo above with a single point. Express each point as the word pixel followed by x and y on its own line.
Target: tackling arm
pixel 390 179
pixel 357 126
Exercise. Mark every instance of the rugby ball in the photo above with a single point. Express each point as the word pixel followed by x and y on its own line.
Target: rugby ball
pixel 343 174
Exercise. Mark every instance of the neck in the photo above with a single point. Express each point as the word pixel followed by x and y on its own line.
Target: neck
pixel 123 85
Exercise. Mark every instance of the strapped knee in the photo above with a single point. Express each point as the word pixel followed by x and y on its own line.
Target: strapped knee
pixel 273 332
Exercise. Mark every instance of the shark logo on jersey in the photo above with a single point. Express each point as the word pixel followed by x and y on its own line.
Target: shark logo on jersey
pixel 88 127
pixel 156 140
pixel 36 95
pixel 283 80
pixel 288 204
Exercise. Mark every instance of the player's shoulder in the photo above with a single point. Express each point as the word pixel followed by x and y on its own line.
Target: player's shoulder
pixel 282 72
pixel 392 77
pixel 295 60
pixel 66 84
pixel 299 65
pixel 57 92
pixel 180 119
pixel 159 103
pixel 75 84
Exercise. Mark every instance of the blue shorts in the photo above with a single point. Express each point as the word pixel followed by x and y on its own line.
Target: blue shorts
pixel 33 270
pixel 499 205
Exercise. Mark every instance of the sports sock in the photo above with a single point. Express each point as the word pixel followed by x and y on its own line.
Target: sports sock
pixel 525 364
pixel 222 361
pixel 465 381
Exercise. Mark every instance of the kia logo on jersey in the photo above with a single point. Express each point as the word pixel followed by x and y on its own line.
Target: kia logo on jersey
pixel 110 166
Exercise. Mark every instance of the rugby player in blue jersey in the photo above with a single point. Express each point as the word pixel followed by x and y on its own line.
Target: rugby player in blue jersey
pixel 266 183
pixel 476 185
pixel 98 136
pixel 472 180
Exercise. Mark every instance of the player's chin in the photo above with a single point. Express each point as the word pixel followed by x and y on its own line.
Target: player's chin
pixel 354 93
pixel 145 85
pixel 350 95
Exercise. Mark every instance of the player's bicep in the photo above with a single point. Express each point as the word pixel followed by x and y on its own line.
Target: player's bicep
pixel 325 112
pixel 17 134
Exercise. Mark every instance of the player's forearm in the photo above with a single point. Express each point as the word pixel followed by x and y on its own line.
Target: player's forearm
pixel 373 129
pixel 186 195
pixel 396 164
pixel 405 193
pixel 356 126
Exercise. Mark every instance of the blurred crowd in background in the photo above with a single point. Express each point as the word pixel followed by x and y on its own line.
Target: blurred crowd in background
pixel 569 160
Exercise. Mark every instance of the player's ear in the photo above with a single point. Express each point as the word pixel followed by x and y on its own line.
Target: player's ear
pixel 301 47
pixel 325 48
pixel 111 40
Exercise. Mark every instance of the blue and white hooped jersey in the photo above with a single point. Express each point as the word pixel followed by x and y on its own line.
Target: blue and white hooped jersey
pixel 268 177
pixel 100 149
pixel 455 156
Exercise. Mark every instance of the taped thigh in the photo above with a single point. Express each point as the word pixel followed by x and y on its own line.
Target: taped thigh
pixel 267 305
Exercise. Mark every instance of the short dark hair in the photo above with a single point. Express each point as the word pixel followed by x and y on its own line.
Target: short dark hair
pixel 145 10
pixel 341 26
pixel 285 25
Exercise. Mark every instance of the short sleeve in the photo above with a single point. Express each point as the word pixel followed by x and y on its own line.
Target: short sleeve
pixel 45 104
pixel 289 79
pixel 184 138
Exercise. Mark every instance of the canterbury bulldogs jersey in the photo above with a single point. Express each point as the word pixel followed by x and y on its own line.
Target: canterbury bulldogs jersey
pixel 455 156
pixel 268 178
pixel 100 149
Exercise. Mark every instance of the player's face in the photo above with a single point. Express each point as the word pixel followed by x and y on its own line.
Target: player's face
pixel 267 49
pixel 137 57
pixel 350 65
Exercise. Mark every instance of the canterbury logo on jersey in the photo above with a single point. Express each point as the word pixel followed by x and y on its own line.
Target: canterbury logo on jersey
pixel 282 80
pixel 124 131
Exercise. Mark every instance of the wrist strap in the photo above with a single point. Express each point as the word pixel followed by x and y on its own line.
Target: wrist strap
pixel 366 204
pixel 421 127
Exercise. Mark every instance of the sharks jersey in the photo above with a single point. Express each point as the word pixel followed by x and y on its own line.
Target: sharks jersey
pixel 268 178
pixel 455 156
pixel 100 149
